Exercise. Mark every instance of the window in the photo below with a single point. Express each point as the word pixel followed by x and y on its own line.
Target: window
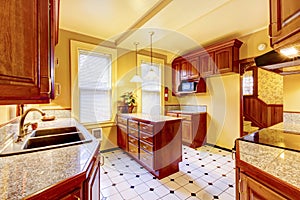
pixel 92 68
pixel 94 83
pixel 248 83
pixel 151 89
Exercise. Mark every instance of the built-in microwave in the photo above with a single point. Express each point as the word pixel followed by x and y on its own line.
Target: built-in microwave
pixel 187 86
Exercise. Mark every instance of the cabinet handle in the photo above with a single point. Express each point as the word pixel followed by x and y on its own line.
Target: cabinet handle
pixel 240 186
pixel 101 160
pixel 144 137
pixel 145 147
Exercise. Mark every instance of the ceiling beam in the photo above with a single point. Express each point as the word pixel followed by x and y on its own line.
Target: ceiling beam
pixel 142 20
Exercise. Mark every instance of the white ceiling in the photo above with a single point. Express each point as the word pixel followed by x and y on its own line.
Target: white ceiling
pixel 178 24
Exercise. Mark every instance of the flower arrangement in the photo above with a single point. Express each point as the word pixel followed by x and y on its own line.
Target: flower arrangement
pixel 129 98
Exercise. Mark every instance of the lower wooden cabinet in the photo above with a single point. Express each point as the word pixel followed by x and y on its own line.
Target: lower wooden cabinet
pixel 194 128
pixel 155 145
pixel 254 190
pixel 187 131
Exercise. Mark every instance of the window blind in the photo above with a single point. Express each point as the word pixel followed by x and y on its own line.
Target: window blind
pixel 94 83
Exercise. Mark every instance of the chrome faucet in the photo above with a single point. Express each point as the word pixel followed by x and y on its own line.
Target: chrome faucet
pixel 22 130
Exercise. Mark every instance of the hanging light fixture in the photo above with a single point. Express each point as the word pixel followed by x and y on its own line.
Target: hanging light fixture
pixel 136 78
pixel 151 75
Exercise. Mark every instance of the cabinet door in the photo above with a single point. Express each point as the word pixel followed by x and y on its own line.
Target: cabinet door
pixel 122 137
pixel 184 72
pixel 94 183
pixel 284 25
pixel 251 189
pixel 25 52
pixel 193 67
pixel 223 60
pixel 187 133
pixel 175 77
pixel 206 64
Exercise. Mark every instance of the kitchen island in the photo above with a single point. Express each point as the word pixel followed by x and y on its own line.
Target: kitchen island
pixel 153 141
pixel 268 164
pixel 66 172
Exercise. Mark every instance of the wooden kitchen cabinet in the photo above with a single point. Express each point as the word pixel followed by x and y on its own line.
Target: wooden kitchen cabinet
pixel 155 145
pixel 194 128
pixel 284 28
pixel 187 131
pixel 220 58
pixel 122 137
pixel 92 183
pixel 207 64
pixel 27 50
pixel 252 189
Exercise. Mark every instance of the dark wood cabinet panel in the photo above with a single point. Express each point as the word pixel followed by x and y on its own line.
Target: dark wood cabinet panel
pixel 207 64
pixel 252 189
pixel 26 61
pixel 223 60
pixel 93 183
pixel 284 28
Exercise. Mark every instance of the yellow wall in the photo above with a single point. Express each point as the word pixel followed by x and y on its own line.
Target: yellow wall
pixel 223 107
pixel 291 94
pixel 250 43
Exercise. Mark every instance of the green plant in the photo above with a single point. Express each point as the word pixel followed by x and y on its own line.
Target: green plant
pixel 129 98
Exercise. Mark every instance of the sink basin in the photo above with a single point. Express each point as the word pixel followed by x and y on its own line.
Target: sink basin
pixel 58 139
pixel 43 139
pixel 54 131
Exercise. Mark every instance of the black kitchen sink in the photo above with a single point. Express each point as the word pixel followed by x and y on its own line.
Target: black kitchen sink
pixel 51 140
pixel 54 131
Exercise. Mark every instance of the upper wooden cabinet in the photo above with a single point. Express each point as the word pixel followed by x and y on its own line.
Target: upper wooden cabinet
pixel 28 36
pixel 284 28
pixel 206 64
pixel 221 58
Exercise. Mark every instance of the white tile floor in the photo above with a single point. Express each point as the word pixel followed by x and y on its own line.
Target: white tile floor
pixel 206 173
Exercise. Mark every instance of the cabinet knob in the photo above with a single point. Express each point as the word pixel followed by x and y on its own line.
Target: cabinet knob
pixel 101 158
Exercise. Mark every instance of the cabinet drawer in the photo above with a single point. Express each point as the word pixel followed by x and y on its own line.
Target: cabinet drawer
pixel 146 158
pixel 133 124
pixel 122 120
pixel 185 117
pixel 133 132
pixel 133 140
pixel 133 150
pixel 146 146
pixel 172 114
pixel 147 128
pixel 145 137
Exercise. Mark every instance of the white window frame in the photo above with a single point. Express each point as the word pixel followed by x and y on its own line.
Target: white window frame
pixel 76 47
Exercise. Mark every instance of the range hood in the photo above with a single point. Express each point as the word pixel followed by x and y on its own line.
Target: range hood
pixel 278 63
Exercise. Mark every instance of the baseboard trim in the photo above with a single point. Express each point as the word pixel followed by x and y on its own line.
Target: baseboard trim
pixel 216 146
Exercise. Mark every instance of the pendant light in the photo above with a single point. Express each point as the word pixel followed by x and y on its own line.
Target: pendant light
pixel 136 78
pixel 151 75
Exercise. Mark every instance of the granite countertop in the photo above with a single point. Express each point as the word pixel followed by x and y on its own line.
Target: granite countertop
pixel 24 174
pixel 278 162
pixel 275 150
pixel 148 117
